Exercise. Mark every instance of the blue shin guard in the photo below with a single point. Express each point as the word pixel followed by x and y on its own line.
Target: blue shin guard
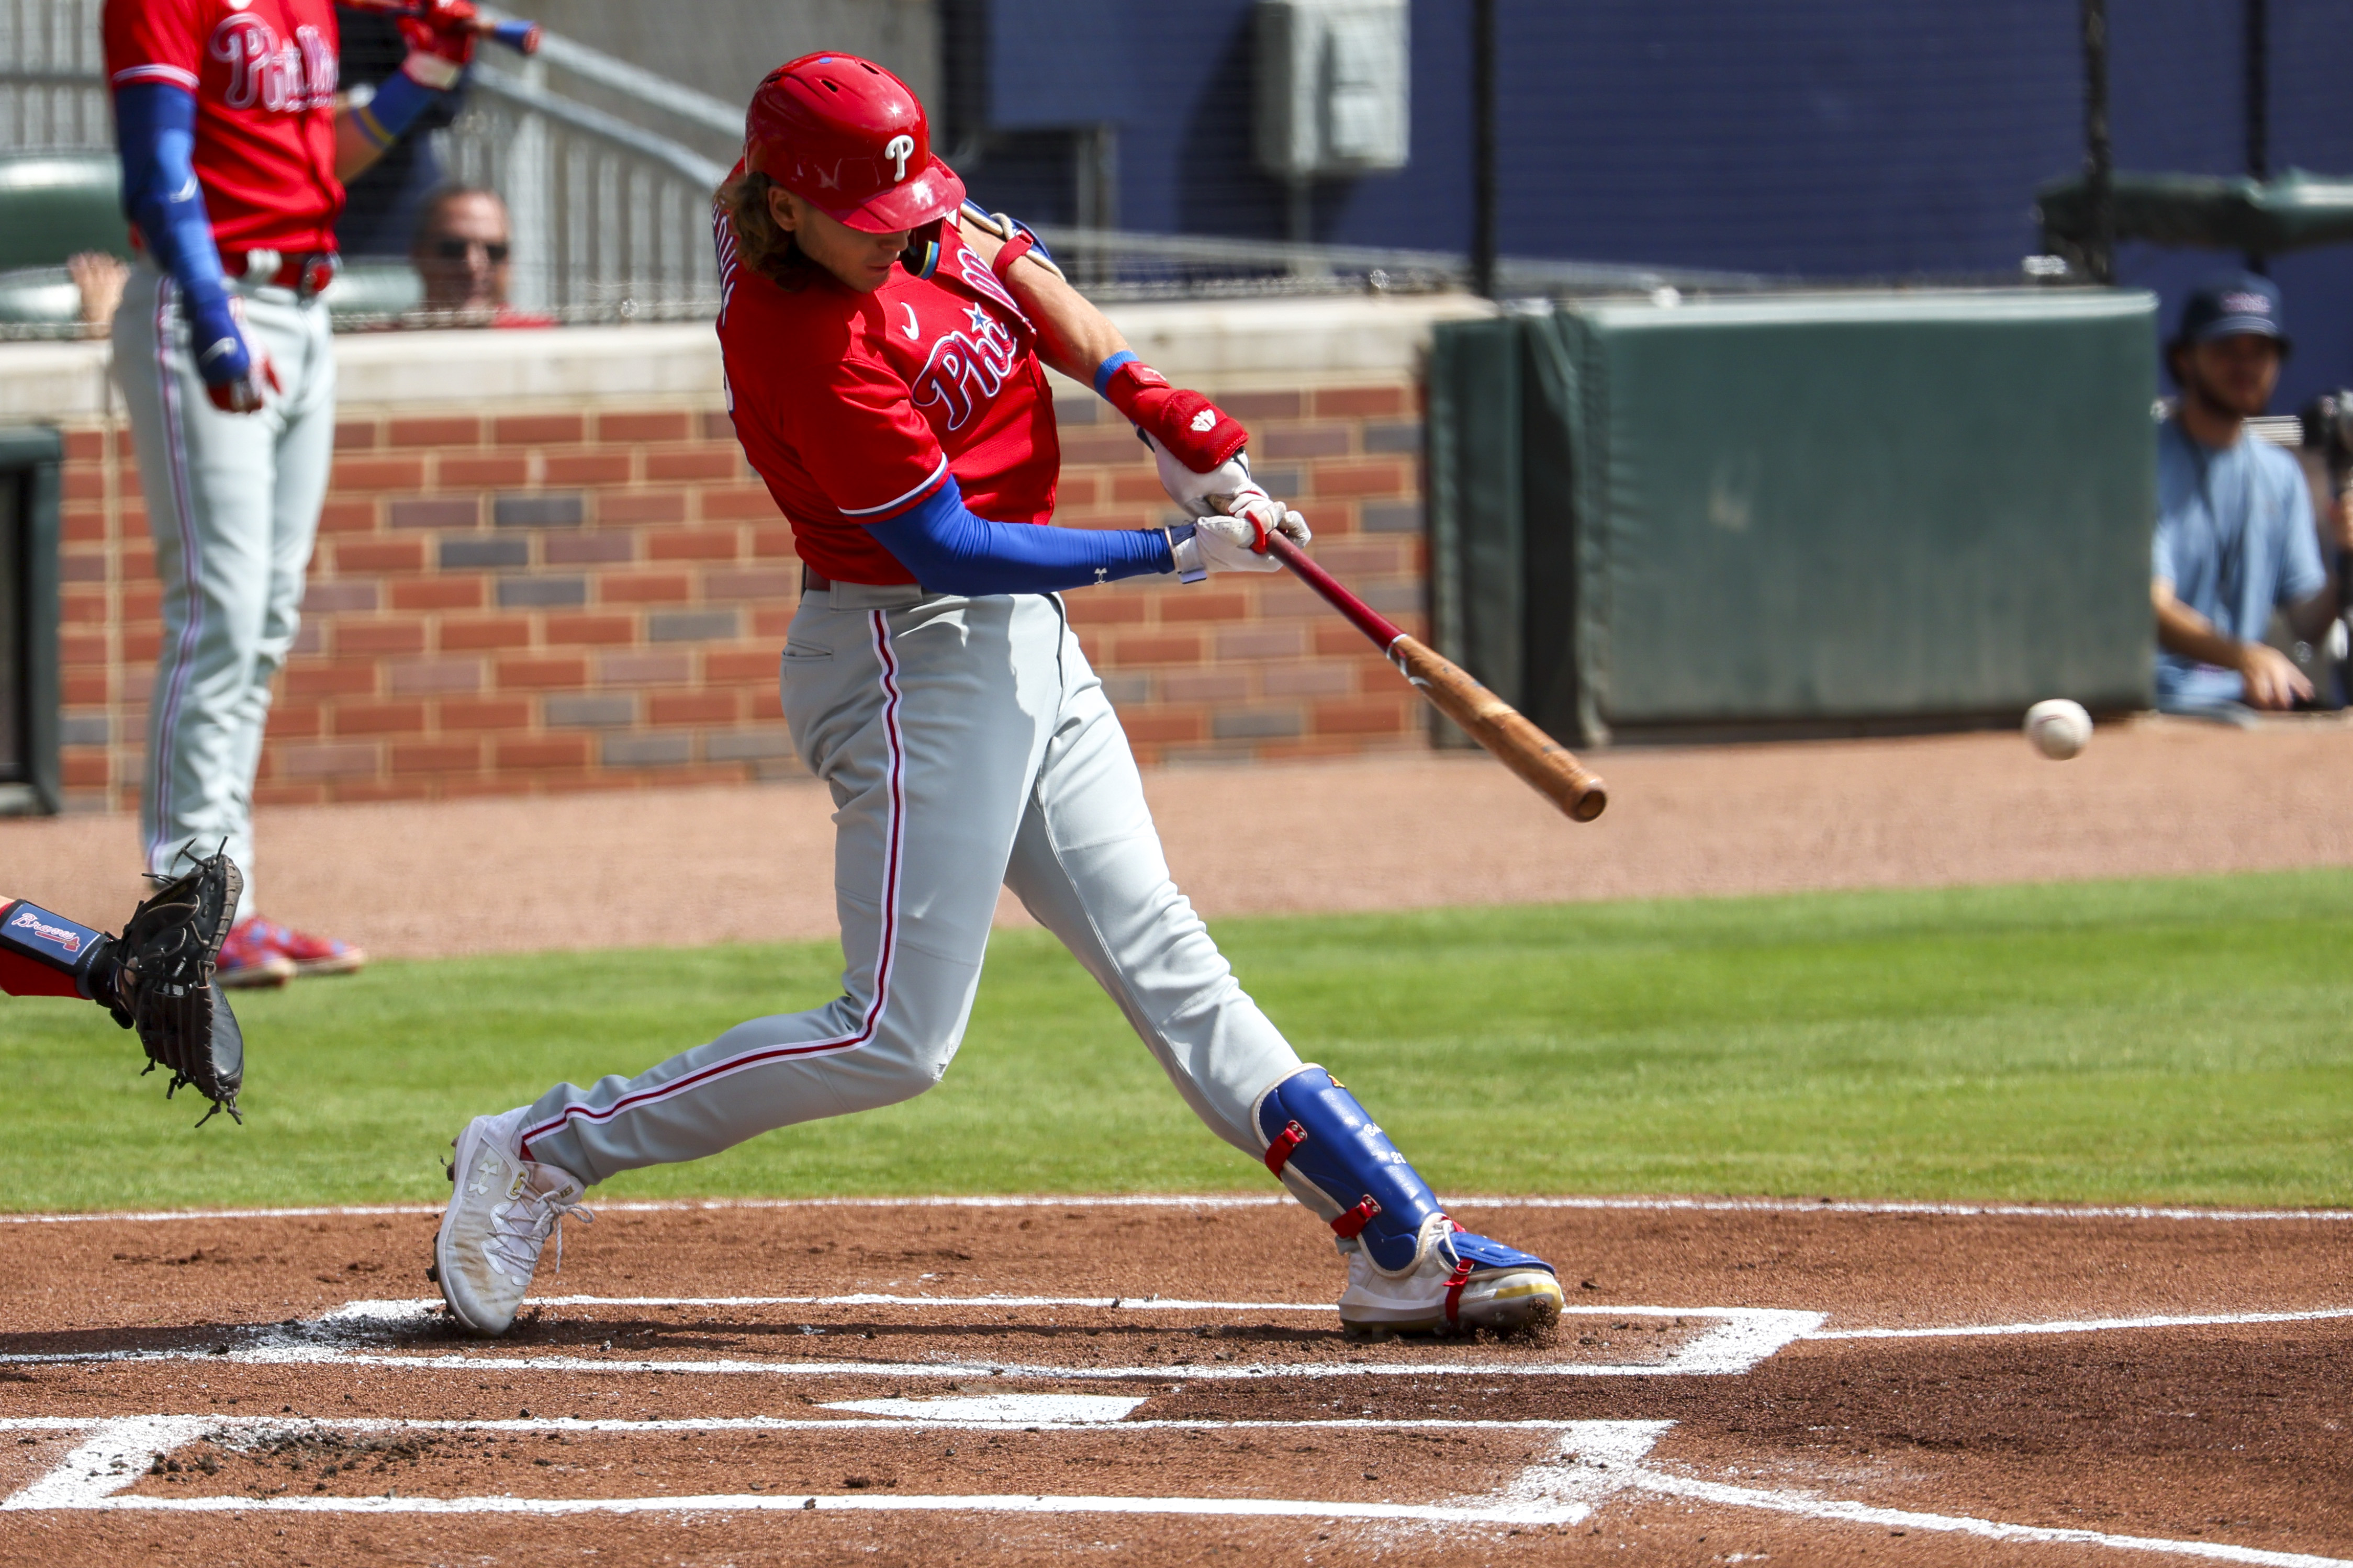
pixel 1338 1163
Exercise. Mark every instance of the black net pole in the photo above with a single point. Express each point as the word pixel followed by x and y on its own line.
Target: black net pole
pixel 2099 158
pixel 1483 147
pixel 2259 96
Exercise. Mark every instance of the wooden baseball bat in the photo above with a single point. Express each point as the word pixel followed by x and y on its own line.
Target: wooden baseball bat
pixel 1527 751
pixel 521 36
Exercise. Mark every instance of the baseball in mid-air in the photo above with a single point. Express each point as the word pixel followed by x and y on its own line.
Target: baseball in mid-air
pixel 2058 728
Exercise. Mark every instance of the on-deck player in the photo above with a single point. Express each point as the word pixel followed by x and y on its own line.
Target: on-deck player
pixel 885 359
pixel 234 156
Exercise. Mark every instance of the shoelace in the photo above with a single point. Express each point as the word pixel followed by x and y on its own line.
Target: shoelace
pixel 518 1235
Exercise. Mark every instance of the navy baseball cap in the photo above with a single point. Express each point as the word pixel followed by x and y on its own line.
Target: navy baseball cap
pixel 2244 305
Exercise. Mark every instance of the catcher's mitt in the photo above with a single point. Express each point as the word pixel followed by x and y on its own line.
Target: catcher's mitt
pixel 162 983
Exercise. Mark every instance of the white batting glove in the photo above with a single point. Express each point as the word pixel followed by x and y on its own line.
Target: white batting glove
pixel 1227 490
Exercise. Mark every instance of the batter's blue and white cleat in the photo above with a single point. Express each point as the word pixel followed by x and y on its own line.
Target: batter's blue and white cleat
pixel 500 1216
pixel 1410 1271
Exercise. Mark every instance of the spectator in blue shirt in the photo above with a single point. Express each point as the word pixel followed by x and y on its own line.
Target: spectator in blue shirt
pixel 2236 533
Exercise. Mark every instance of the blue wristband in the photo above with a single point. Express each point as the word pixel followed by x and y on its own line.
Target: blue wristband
pixel 394 109
pixel 1109 368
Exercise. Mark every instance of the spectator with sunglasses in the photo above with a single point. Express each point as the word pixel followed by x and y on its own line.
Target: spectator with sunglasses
pixel 462 255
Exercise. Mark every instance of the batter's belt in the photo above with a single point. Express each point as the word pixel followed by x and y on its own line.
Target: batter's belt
pixel 863 595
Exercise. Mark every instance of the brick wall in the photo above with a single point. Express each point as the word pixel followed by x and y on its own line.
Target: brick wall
pixel 594 597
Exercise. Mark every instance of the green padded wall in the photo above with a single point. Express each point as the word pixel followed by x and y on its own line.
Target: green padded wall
pixel 55 204
pixel 1791 510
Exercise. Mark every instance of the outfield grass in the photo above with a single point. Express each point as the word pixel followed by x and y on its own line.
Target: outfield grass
pixel 2184 1041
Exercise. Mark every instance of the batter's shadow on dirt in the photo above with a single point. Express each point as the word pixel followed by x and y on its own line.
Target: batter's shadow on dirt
pixel 638 1334
pixel 181 1339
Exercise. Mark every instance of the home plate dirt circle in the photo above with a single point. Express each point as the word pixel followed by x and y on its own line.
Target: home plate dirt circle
pixel 1004 1380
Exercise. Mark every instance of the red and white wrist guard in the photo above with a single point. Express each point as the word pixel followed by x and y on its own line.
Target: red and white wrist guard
pixel 1194 430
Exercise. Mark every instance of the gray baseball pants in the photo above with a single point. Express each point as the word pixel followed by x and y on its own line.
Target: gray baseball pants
pixel 232 503
pixel 967 743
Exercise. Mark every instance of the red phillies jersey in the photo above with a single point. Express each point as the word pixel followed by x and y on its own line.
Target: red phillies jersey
pixel 263 73
pixel 855 407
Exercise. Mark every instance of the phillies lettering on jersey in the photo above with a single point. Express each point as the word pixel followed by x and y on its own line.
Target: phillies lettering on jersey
pixel 263 74
pixel 853 406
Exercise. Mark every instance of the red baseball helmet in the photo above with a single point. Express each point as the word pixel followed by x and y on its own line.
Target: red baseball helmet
pixel 849 137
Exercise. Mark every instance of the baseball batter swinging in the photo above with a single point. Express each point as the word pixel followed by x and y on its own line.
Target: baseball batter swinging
pixel 885 347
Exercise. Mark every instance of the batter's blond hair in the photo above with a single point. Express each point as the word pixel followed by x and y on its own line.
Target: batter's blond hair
pixel 761 243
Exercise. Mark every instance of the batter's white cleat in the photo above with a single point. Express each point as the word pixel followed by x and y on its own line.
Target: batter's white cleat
pixel 1464 1284
pixel 500 1216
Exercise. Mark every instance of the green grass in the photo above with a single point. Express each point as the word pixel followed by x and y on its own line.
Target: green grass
pixel 2184 1041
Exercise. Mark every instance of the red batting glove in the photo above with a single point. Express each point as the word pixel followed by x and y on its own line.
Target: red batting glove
pixel 440 38
pixel 243 395
pixel 1191 428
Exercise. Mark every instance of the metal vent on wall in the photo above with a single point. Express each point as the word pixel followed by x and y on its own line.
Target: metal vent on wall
pixel 1333 87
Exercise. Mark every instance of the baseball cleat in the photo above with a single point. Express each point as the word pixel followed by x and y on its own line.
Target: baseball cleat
pixel 1465 1284
pixel 501 1214
pixel 308 954
pixel 247 960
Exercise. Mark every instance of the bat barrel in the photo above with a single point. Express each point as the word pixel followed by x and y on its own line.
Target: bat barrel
pixel 521 36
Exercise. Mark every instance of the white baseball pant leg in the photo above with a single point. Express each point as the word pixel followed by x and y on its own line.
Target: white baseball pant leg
pixel 966 743
pixel 233 504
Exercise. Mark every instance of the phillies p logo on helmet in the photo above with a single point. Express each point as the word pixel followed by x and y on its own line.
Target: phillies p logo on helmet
pixel 851 139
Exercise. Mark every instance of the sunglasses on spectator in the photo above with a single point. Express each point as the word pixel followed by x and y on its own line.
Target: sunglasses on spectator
pixel 449 250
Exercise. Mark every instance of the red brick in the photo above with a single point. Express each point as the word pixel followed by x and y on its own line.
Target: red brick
pixel 1364 715
pixel 542 752
pixel 87 525
pixel 662 666
pixel 1301 441
pixel 462 593
pixel 774 621
pixel 1369 478
pixel 1325 679
pixel 77 689
pixel 1096 608
pixel 640 506
pixel 768 542
pixel 1173 649
pixel 80 769
pixel 766 582
pixel 539 430
pixel 380 555
pixel 692 707
pixel 720 665
pixel 1359 402
pixel 378 474
pixel 481 714
pixel 380 636
pixel 452 430
pixel 355 436
pixel 1200 605
pixel 1142 486
pixel 328 759
pixel 525 674
pixel 718 425
pixel 332 680
pixel 85 446
pixel 505 631
pixel 1107 445
pixel 345 516
pixel 567 630
pixel 296 721
pixel 1340 638
pixel 768 702
pixel 484 473
pixel 379 718
pixel 1149 725
pixel 588 468
pixel 693 544
pixel 82 607
pixel 1374 555
pixel 642 588
pixel 1248 406
pixel 668 425
pixel 288 793
pixel 437 757
pixel 1205 685
pixel 81 567
pixel 734 502
pixel 595 548
pixel 83 484
pixel 706 463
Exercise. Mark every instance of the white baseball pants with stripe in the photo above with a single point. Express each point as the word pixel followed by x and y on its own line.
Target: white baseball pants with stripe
pixel 232 503
pixel 968 744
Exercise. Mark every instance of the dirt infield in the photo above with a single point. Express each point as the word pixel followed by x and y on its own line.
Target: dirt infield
pixel 2153 797
pixel 940 1382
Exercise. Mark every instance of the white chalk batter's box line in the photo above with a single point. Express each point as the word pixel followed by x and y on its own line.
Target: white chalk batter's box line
pixel 1246 1201
pixel 1592 1462
pixel 1741 1339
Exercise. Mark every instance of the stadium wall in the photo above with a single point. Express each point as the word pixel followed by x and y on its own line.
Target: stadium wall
pixel 543 564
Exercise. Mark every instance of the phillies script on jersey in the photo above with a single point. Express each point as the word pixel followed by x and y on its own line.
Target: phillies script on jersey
pixel 855 407
pixel 263 73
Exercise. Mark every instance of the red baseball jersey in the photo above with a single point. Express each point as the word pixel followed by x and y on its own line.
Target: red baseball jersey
pixel 855 407
pixel 263 74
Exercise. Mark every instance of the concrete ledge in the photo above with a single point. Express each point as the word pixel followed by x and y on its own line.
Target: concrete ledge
pixel 1216 345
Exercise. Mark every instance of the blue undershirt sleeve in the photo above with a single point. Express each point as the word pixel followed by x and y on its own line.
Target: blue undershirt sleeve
pixel 950 550
pixel 156 124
